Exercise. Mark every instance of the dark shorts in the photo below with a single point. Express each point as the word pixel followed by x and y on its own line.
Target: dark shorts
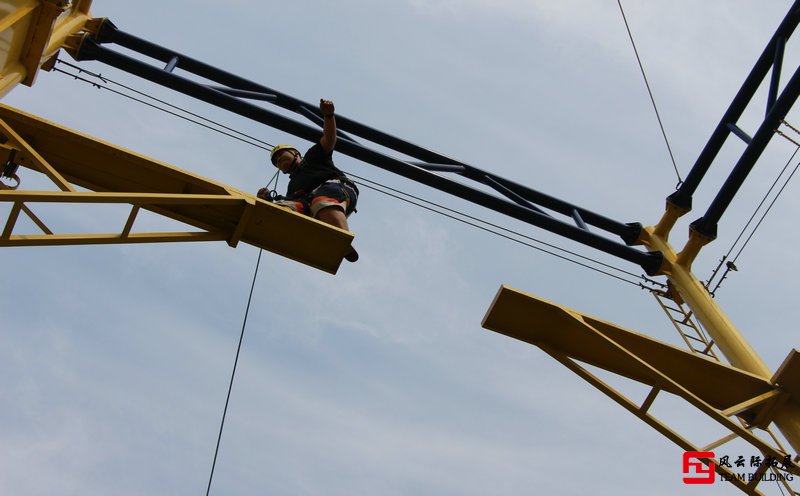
pixel 333 193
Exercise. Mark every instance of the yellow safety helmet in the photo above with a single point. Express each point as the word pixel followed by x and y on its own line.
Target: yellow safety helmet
pixel 279 148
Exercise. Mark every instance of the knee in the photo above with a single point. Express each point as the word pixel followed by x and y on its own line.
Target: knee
pixel 332 212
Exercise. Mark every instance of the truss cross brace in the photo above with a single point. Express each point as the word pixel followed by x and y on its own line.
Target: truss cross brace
pixel 116 176
pixel 571 337
pixel 517 201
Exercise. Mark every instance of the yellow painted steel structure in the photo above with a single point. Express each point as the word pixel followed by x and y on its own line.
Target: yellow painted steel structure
pixel 571 337
pixel 118 176
pixel 32 32
pixel 741 397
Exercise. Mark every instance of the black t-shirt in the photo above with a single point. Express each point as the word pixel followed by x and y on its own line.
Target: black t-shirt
pixel 315 168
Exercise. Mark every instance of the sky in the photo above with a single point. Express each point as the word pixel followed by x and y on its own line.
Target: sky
pixel 380 379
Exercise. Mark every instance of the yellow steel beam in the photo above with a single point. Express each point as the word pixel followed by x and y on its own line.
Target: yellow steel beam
pixel 132 198
pixel 108 238
pixel 32 32
pixel 753 402
pixel 596 342
pixel 568 335
pixel 12 220
pixel 788 374
pixel 649 419
pixel 115 175
pixel 725 335
pixel 20 12
pixel 38 37
pixel 678 268
pixel 38 160
pixel 81 6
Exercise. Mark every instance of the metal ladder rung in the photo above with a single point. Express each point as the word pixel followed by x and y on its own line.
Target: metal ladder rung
pixel 689 324
pixel 687 317
pixel 682 319
pixel 707 350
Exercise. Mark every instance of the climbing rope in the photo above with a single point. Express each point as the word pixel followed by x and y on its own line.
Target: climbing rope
pixel 233 373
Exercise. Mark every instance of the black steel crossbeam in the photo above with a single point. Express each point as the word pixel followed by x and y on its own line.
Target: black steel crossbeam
pixel 777 64
pixel 458 169
pixel 111 34
pixel 771 57
pixel 707 225
pixel 252 95
pixel 92 50
pixel 511 194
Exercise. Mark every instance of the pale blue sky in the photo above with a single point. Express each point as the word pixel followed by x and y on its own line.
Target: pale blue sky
pixel 380 380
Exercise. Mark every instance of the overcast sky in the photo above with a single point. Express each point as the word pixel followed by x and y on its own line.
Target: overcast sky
pixel 380 379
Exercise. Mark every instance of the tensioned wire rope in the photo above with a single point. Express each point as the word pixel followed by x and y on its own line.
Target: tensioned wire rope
pixel 233 373
pixel 680 180
pixel 753 216
pixel 650 92
pixel 227 131
pixel 373 185
pixel 404 197
pixel 221 128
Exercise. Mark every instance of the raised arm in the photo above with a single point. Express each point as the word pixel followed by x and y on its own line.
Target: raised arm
pixel 328 140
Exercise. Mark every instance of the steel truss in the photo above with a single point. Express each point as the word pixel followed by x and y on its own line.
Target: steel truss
pixel 745 403
pixel 423 166
pixel 778 104
pixel 116 176
pixel 741 397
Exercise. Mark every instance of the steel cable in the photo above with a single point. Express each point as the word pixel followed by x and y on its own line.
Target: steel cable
pixel 650 92
pixel 233 373
pixel 399 194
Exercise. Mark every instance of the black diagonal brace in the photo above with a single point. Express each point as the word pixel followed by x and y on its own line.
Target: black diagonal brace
pixel 92 50
pixel 111 34
pixel 707 225
pixel 771 55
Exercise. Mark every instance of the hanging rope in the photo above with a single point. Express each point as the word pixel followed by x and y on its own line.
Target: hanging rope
pixel 273 190
pixel 233 373
pixel 650 92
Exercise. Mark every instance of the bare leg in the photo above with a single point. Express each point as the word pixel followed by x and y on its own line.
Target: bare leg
pixel 335 217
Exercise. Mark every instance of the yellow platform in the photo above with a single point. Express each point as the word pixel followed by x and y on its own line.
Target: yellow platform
pixel 121 176
pixel 615 349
